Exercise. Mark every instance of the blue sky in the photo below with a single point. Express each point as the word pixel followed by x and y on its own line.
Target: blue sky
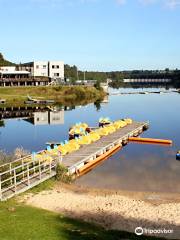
pixel 93 34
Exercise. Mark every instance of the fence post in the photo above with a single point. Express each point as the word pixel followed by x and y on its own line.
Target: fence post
pixel 10 170
pixel 28 174
pixel 50 168
pixel 59 157
pixel 39 169
pixel 15 187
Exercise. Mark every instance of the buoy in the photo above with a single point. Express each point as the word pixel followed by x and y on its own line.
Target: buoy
pixel 150 140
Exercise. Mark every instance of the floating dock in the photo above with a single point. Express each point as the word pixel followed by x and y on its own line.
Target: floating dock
pixel 87 153
pixel 19 176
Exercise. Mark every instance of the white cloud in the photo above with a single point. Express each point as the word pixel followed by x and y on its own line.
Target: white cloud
pixel 147 2
pixel 172 4
pixel 168 3
pixel 121 2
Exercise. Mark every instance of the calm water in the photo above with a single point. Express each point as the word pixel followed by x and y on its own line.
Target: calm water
pixel 136 167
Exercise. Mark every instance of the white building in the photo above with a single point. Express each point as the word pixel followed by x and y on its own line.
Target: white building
pixel 40 69
pixel 11 72
pixel 56 69
pixel 51 69
pixel 48 117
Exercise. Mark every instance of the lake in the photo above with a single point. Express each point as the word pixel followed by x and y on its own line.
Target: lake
pixel 136 167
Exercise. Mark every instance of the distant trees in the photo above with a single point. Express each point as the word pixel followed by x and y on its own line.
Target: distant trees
pixel 118 76
pixel 4 62
pixel 72 73
pixel 97 85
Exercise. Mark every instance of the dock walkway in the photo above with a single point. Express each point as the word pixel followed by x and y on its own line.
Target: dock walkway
pixel 76 160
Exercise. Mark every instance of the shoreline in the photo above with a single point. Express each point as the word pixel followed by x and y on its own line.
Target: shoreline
pixel 116 210
pixel 65 95
pixel 147 196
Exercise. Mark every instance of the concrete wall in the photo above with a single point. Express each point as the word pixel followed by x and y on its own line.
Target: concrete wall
pixel 40 69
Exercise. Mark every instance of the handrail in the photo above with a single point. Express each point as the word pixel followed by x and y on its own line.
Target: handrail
pixel 24 165
pixel 46 167
pixel 20 159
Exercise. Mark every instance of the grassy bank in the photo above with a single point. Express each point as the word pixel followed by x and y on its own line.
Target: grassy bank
pixel 21 222
pixel 65 95
pixel 18 221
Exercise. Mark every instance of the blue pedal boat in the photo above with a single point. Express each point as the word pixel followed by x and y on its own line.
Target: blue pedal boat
pixel 178 155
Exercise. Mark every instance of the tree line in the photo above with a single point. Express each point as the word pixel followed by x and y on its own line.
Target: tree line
pixel 4 62
pixel 73 74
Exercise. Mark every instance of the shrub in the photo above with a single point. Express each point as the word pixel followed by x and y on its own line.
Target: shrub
pixel 62 174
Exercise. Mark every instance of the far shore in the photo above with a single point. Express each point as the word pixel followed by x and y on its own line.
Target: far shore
pixel 120 210
pixel 65 95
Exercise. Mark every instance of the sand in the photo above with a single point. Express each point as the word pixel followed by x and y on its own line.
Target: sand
pixel 112 209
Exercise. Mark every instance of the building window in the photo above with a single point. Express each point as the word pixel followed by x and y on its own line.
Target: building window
pixel 55 66
pixel 44 66
pixel 56 74
pixel 56 119
pixel 37 66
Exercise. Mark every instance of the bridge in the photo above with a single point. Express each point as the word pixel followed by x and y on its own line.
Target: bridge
pixel 147 80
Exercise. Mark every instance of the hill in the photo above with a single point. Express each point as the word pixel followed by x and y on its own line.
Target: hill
pixel 4 62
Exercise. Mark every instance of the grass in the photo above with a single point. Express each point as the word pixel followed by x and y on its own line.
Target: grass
pixel 21 222
pixel 65 95
pixel 46 185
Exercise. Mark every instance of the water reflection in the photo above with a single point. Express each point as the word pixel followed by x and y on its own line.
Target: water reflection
pixel 136 167
pixel 2 123
pixel 47 117
pixel 146 171
pixel 35 115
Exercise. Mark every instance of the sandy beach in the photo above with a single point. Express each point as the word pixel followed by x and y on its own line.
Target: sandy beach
pixel 119 210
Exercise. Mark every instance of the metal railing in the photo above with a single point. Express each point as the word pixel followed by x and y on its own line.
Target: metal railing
pixel 22 174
